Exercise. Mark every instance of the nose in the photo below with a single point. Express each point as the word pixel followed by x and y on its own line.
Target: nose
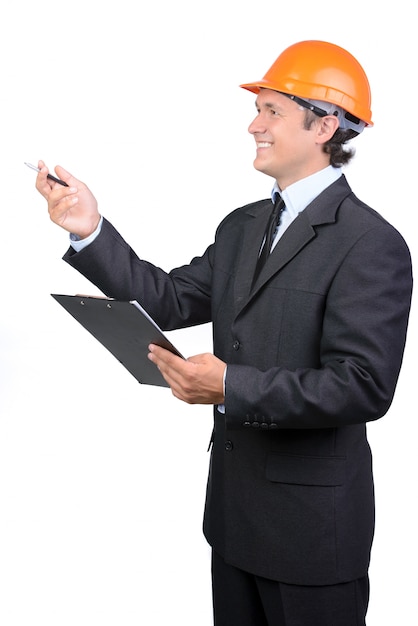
pixel 256 125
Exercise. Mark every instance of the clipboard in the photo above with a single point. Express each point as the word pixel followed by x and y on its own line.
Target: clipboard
pixel 124 328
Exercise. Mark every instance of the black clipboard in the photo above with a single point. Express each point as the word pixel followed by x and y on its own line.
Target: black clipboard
pixel 124 328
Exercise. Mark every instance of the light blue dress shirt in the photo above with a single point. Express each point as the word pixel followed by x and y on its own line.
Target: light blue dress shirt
pixel 297 196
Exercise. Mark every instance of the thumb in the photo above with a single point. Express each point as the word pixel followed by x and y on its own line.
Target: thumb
pixel 198 359
pixel 64 175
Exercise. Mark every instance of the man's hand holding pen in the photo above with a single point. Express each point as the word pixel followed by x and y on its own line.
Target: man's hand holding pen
pixel 73 207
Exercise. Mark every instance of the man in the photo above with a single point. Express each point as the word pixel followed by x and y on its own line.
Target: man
pixel 307 348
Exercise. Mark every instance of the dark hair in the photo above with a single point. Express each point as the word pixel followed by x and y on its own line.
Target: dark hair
pixel 339 154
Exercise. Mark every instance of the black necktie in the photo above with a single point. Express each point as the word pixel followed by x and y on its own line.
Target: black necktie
pixel 272 225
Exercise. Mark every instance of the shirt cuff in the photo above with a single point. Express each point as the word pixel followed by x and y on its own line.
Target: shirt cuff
pixel 221 407
pixel 78 244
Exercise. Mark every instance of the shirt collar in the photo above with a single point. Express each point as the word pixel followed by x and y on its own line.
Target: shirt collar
pixel 297 196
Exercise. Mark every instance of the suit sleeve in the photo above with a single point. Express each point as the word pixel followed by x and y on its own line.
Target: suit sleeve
pixel 175 299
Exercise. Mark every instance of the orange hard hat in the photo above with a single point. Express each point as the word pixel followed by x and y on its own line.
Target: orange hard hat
pixel 319 70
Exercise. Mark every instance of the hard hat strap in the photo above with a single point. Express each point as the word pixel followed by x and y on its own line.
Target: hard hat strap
pixel 307 105
pixel 346 119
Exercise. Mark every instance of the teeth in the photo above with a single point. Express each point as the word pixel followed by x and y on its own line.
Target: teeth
pixel 263 144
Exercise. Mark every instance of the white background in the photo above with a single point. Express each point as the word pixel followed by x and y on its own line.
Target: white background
pixel 102 480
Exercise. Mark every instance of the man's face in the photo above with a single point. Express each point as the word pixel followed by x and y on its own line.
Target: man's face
pixel 285 149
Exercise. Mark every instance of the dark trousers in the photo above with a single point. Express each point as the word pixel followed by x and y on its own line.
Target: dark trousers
pixel 242 599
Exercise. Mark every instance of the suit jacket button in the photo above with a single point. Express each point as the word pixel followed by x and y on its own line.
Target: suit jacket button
pixel 246 424
pixel 228 445
pixel 255 424
pixel 273 426
pixel 236 344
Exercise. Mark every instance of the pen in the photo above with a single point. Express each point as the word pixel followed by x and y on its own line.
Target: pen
pixel 56 180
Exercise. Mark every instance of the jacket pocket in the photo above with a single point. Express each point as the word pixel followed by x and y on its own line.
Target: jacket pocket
pixel 306 470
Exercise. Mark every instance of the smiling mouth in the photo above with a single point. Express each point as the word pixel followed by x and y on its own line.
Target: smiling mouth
pixel 263 144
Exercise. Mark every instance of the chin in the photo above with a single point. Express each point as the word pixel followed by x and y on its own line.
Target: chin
pixel 263 168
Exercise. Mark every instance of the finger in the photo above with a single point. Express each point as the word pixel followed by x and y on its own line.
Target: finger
pixel 60 200
pixel 66 176
pixel 175 369
pixel 42 183
pixel 163 355
pixel 45 181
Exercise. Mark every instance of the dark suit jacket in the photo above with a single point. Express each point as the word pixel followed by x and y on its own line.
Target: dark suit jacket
pixel 313 353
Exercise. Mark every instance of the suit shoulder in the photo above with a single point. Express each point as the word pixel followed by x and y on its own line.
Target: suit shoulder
pixel 243 213
pixel 366 217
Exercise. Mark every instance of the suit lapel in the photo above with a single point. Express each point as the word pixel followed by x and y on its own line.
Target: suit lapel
pixel 299 233
pixel 321 210
pixel 250 246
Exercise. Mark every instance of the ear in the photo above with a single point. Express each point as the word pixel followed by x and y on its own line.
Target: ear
pixel 326 128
